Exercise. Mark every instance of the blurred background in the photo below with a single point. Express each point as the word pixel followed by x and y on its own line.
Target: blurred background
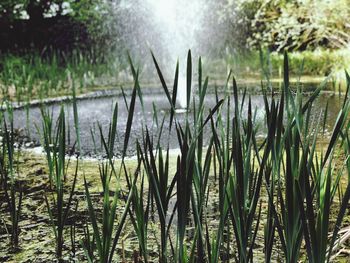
pixel 41 39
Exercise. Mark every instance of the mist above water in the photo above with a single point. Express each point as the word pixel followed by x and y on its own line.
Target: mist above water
pixel 178 24
pixel 169 28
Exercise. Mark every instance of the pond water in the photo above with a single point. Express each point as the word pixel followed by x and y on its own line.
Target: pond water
pixel 99 111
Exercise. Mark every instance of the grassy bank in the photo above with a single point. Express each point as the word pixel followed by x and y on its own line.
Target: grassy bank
pixel 27 77
pixel 311 66
pixel 32 76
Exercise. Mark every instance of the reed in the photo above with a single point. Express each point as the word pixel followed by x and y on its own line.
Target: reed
pixel 58 207
pixel 278 187
pixel 281 163
pixel 34 76
pixel 321 183
pixel 13 193
pixel 47 136
pixel 104 240
pixel 305 191
pixel 103 228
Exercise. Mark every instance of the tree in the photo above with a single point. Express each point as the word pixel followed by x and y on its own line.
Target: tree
pixel 28 9
pixel 62 24
pixel 301 24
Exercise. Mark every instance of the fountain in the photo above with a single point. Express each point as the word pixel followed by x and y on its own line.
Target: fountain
pixel 169 28
pixel 177 22
pixel 181 97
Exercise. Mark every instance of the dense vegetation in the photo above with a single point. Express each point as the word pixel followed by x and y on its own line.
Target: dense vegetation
pixel 237 190
pixel 221 202
pixel 90 39
pixel 279 24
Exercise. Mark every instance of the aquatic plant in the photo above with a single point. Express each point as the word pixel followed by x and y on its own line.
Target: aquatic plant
pixel 105 241
pixel 13 193
pixel 230 186
pixel 34 76
pixel 59 208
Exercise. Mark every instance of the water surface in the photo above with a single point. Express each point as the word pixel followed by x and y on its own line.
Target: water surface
pixel 98 111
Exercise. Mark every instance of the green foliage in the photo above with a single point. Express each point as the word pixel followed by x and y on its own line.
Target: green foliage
pixel 212 199
pixel 299 25
pixel 12 193
pixel 31 76
pixel 287 25
pixel 27 9
pixel 107 234
pixel 60 207
pixel 90 15
pixel 33 9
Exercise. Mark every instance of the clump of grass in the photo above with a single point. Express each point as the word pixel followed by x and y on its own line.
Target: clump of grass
pixel 13 195
pixel 310 182
pixel 321 184
pixel 284 162
pixel 189 168
pixel 33 76
pixel 59 208
pixel 104 240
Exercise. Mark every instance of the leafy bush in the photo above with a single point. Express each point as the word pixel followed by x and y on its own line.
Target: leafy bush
pixel 301 24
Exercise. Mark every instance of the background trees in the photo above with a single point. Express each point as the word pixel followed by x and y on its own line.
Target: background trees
pixel 238 24
pixel 298 24
pixel 50 24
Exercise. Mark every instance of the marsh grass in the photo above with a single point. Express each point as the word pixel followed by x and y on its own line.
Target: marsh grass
pixel 59 207
pixel 35 76
pixel 106 232
pixel 299 183
pixel 13 193
pixel 221 199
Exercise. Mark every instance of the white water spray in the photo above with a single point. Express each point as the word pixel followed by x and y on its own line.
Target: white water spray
pixel 177 22
pixel 167 27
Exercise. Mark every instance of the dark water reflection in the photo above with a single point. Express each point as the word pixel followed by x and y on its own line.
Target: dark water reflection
pixel 93 111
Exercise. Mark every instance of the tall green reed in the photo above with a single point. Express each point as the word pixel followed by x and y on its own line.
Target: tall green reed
pixel 59 207
pixel 306 183
pixel 189 166
pixel 13 192
pixel 158 177
pixel 47 136
pixel 321 183
pixel 104 240
pixel 103 228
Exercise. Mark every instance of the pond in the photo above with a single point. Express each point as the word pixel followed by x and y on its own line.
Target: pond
pixel 98 111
